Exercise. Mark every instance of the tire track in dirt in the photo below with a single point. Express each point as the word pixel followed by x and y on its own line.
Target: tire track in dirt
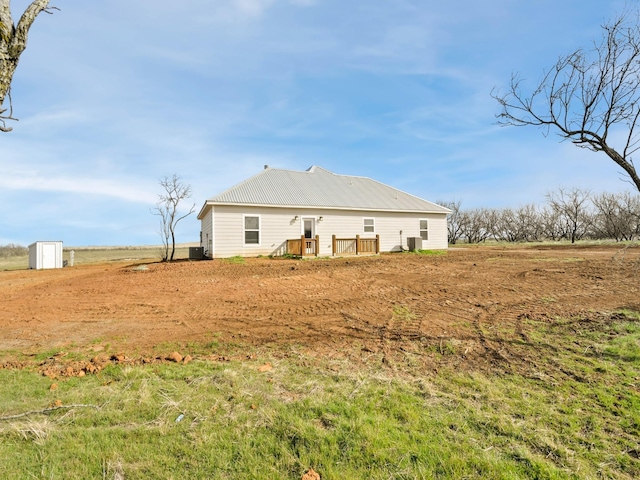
pixel 470 301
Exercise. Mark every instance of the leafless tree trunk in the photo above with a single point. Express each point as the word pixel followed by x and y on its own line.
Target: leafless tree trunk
pixel 523 224
pixel 572 208
pixel 13 41
pixel 474 225
pixel 588 96
pixel 551 224
pixel 175 192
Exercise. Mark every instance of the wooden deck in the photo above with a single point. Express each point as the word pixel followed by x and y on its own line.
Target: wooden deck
pixel 309 247
pixel 355 246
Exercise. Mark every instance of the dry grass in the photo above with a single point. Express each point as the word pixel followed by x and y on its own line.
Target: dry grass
pixel 87 255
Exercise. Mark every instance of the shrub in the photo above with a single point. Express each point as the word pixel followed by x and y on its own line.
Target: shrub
pixel 12 250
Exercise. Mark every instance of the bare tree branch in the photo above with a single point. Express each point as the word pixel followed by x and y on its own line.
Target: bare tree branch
pixel 175 192
pixel 589 97
pixel 13 41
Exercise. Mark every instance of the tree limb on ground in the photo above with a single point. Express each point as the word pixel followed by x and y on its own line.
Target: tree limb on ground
pixel 48 410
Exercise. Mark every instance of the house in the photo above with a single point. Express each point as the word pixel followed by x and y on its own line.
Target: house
pixel 317 212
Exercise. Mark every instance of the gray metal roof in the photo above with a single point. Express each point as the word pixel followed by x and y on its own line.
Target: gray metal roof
pixel 317 187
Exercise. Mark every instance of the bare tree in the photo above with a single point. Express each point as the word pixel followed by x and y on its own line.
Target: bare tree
pixel 617 216
pixel 13 41
pixel 474 225
pixel 590 97
pixel 551 224
pixel 454 229
pixel 572 207
pixel 175 192
pixel 522 224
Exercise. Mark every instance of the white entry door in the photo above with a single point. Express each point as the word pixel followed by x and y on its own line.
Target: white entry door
pixel 309 226
pixel 309 231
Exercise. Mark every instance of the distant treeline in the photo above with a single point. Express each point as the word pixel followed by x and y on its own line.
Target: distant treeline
pixel 567 215
pixel 12 250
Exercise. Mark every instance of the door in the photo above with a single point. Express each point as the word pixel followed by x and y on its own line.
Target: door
pixel 48 255
pixel 309 226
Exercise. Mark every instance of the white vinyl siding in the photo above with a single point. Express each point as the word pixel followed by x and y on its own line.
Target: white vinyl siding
pixel 424 229
pixel 206 234
pixel 277 225
pixel 251 230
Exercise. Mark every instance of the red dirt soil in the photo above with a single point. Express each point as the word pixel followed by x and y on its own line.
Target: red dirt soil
pixel 472 299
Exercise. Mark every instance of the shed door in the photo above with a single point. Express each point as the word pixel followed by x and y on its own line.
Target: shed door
pixel 48 255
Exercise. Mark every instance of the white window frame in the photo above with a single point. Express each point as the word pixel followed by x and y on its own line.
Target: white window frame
pixel 245 230
pixel 426 230
pixel 364 225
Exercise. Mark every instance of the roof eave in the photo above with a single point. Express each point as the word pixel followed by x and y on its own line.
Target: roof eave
pixel 319 207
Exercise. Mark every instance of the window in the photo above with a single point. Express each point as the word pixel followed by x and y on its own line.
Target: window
pixel 251 230
pixel 369 225
pixel 424 229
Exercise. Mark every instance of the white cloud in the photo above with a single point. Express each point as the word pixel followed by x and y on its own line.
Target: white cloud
pixel 78 185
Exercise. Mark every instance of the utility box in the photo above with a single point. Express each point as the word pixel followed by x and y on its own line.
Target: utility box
pixel 196 253
pixel 415 243
pixel 45 255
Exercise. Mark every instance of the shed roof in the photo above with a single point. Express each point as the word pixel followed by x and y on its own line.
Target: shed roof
pixel 317 187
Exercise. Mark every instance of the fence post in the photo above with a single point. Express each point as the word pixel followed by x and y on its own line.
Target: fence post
pixel 377 244
pixel 303 245
pixel 357 244
pixel 334 245
pixel 317 245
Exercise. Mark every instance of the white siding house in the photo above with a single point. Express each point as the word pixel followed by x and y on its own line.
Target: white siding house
pixel 259 215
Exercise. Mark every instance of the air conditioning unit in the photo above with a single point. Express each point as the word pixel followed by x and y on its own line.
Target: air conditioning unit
pixel 196 253
pixel 415 243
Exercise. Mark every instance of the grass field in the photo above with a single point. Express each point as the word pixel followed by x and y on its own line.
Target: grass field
pixel 244 412
pixel 84 255
pixel 274 414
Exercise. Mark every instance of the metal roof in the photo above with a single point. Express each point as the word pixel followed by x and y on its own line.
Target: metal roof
pixel 317 187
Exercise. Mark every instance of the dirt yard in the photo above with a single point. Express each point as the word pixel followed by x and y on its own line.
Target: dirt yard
pixel 471 301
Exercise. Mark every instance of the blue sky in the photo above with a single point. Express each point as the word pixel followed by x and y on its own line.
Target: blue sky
pixel 114 95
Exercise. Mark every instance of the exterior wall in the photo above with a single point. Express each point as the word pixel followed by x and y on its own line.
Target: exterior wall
pixel 226 225
pixel 206 233
pixel 45 255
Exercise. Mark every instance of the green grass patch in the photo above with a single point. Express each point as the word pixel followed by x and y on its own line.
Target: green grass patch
pixel 573 413
pixel 555 259
pixel 403 313
pixel 432 253
pixel 238 260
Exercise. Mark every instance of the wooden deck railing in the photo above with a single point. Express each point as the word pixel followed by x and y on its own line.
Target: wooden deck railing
pixel 308 247
pixel 354 246
pixel 311 246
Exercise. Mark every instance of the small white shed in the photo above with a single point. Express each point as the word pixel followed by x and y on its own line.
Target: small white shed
pixel 45 255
